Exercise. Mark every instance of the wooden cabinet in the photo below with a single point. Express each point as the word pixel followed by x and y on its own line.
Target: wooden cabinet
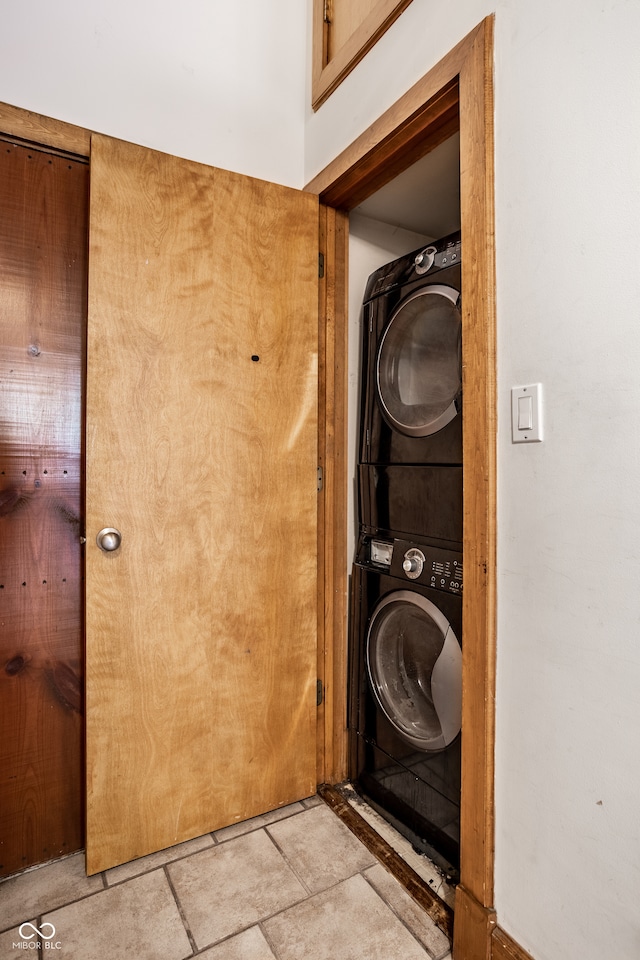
pixel 43 265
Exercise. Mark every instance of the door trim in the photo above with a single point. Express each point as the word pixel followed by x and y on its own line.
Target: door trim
pixel 457 93
pixel 332 502
pixel 34 128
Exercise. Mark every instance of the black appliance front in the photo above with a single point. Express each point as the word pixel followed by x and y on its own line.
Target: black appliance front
pixel 406 689
pixel 417 501
pixel 411 405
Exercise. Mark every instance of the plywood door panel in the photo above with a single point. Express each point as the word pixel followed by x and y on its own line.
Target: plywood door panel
pixel 345 19
pixel 201 450
pixel 43 236
pixel 343 32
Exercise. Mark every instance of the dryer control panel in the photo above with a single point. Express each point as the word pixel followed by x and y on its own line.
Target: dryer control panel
pixel 418 563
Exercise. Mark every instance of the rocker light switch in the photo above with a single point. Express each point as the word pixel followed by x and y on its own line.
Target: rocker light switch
pixel 526 413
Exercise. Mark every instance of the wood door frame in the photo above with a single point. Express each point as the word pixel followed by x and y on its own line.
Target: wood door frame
pixel 458 91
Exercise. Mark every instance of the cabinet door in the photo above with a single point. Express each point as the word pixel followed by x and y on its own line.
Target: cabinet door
pixel 43 242
pixel 202 453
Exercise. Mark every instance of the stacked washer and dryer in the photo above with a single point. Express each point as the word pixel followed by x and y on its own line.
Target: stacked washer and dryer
pixel 406 586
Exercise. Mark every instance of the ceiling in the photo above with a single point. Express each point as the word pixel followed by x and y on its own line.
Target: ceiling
pixel 425 198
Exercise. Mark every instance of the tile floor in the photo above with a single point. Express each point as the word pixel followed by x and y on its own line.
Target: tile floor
pixel 294 884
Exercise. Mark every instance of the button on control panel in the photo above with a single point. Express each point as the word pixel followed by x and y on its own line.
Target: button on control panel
pixel 448 256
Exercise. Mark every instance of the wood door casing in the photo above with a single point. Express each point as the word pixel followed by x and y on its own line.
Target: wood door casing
pixel 43 261
pixel 202 451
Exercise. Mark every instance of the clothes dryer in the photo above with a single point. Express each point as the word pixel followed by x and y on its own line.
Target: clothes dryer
pixel 411 404
pixel 405 698
pixel 412 501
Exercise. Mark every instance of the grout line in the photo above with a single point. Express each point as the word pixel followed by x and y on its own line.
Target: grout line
pixel 270 943
pixel 402 919
pixel 183 917
pixel 261 826
pixel 158 866
pixel 291 867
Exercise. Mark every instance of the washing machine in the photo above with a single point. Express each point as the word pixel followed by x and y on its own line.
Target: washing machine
pixel 405 698
pixel 411 404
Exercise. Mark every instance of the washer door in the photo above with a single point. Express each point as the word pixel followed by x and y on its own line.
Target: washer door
pixel 419 372
pixel 414 662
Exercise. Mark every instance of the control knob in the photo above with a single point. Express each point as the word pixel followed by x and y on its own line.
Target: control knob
pixel 424 260
pixel 413 563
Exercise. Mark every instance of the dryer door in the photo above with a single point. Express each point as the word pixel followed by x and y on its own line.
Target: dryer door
pixel 419 371
pixel 414 663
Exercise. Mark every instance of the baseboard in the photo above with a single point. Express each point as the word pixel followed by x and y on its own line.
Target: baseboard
pixel 505 947
pixel 472 928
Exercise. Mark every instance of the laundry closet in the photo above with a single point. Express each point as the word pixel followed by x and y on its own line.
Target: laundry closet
pixel 405 506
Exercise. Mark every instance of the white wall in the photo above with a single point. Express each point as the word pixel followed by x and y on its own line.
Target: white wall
pixel 568 244
pixel 217 82
pixel 371 244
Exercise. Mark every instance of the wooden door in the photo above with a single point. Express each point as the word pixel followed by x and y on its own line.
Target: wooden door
pixel 202 452
pixel 43 241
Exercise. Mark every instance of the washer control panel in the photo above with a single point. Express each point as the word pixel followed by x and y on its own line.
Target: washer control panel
pixel 430 566
pixel 427 565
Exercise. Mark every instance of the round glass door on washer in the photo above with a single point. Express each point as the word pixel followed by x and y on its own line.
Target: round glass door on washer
pixel 414 663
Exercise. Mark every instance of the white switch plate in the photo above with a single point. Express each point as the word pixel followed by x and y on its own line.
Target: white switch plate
pixel 526 413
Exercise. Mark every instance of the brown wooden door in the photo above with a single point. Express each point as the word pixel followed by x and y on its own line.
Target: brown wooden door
pixel 43 262
pixel 202 452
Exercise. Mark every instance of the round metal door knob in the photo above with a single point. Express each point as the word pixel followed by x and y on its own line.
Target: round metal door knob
pixel 109 539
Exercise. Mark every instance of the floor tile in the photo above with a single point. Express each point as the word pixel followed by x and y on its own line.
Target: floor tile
pixel 8 939
pixel 248 945
pixel 144 864
pixel 312 801
pixel 348 920
pixel 255 823
pixel 418 921
pixel 45 888
pixel 136 919
pixel 320 848
pixel 232 886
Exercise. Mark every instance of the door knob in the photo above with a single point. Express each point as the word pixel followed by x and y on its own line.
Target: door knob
pixel 109 539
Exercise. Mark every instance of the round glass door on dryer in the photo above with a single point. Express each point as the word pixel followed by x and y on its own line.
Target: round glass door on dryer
pixel 412 383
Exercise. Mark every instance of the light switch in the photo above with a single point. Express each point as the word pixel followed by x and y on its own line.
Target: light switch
pixel 526 413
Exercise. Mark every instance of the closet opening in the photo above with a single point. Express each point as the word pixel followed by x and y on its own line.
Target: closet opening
pixel 455 96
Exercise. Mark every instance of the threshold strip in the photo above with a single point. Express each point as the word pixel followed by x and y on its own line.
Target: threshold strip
pixel 439 911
